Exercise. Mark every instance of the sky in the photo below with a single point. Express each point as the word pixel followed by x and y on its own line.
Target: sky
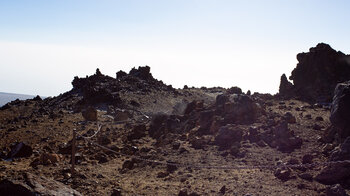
pixel 247 43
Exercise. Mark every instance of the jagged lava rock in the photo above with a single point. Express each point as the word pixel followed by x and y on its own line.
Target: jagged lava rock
pixel 228 135
pixel 237 108
pixel 285 140
pixel 342 153
pixel 97 89
pixel 317 74
pixel 340 110
pixel 286 88
pixel 338 172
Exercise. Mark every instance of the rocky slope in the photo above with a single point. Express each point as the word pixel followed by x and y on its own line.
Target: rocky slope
pixel 138 136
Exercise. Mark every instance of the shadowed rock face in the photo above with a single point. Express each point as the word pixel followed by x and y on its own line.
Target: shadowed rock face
pixel 317 74
pixel 340 112
pixel 286 87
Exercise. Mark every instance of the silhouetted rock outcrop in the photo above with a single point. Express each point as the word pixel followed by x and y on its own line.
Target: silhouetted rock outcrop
pixel 97 89
pixel 143 73
pixel 101 89
pixel 317 74
pixel 286 88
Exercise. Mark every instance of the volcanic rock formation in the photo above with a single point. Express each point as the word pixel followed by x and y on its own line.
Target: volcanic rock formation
pixel 317 74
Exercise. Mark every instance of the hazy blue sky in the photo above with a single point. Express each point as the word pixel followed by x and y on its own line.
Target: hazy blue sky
pixel 44 44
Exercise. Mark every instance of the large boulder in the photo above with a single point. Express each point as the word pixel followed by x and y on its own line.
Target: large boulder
pixel 237 108
pixel 340 111
pixel 8 187
pixel 158 126
pixel 19 150
pixel 228 135
pixel 205 121
pixel 339 171
pixel 162 124
pixel 285 140
pixel 342 153
pixel 35 185
pixel 89 114
pixel 317 74
pixel 281 137
pixel 336 190
pixel 336 173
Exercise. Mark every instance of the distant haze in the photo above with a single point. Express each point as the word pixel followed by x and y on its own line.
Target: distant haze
pixel 250 44
pixel 8 97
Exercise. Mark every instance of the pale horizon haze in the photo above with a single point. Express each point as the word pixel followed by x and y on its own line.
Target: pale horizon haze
pixel 247 43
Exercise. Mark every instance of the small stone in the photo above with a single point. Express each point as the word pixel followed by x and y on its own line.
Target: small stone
pixel 307 159
pixel 319 118
pixel 182 150
pixel 308 116
pixel 102 158
pixel 306 176
pixel 183 193
pixel 128 164
pixel 289 118
pixel 104 140
pixel 49 158
pixel 162 174
pixel 316 127
pixel 117 192
pixel 327 148
pixel 234 150
pixel 176 145
pixel 261 143
pixel 293 161
pixel 171 167
pixel 90 114
pixel 223 189
pixel 67 175
pixel 19 150
pixel 282 174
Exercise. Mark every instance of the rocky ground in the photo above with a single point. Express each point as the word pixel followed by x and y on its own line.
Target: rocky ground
pixel 138 136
